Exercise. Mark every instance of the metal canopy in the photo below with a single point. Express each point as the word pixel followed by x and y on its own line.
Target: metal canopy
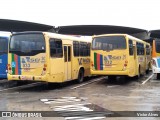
pixel 19 26
pixel 155 33
pixel 102 29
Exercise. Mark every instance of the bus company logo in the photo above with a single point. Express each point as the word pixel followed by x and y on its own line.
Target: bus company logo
pixel 83 60
pixel 30 60
pixel 140 59
pixel 0 60
pixel 13 64
pixel 107 58
pixel 111 57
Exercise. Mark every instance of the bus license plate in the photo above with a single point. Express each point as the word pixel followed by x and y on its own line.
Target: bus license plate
pixel 26 78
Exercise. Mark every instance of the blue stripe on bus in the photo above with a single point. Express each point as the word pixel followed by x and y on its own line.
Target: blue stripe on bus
pixel 101 62
pixel 19 65
pixel 158 61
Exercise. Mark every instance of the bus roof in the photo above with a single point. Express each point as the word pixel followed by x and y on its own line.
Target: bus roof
pixel 129 36
pixel 69 37
pixel 5 34
pixel 58 36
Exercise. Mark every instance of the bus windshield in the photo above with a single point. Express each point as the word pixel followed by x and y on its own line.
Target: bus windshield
pixel 27 44
pixel 4 45
pixel 158 46
pixel 109 43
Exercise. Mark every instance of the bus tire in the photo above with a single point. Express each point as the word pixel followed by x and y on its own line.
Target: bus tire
pixel 158 75
pixel 121 80
pixel 80 76
pixel 139 73
pixel 111 78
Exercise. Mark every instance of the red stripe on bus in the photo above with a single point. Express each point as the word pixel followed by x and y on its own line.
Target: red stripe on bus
pixel 16 67
pixel 98 61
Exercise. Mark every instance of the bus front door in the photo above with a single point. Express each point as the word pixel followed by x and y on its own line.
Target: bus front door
pixel 135 63
pixel 67 62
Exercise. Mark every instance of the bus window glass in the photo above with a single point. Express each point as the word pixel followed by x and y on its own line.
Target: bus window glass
pixel 109 43
pixel 69 53
pixel 147 50
pixel 76 48
pixel 157 46
pixel 4 45
pixel 88 49
pixel 27 44
pixel 56 48
pixel 130 47
pixel 65 53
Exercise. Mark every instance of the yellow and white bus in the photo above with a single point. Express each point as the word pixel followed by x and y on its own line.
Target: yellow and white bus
pixel 156 57
pixel 119 55
pixel 50 57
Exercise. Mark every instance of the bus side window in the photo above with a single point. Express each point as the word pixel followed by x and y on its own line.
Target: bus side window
pixel 65 53
pixel 88 49
pixel 83 49
pixel 147 50
pixel 130 47
pixel 138 48
pixel 142 48
pixel 56 48
pixel 76 48
pixel 69 53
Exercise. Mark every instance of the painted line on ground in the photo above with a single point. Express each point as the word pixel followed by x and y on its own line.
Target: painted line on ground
pixel 147 79
pixel 92 81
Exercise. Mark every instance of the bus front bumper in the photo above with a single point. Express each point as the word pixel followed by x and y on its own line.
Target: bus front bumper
pixel 99 72
pixel 26 77
pixel 155 69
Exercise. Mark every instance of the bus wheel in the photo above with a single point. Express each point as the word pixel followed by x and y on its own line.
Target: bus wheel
pixel 111 78
pixel 121 80
pixel 139 73
pixel 158 75
pixel 80 76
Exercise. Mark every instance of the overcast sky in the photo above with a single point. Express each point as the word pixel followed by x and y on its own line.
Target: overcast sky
pixel 144 14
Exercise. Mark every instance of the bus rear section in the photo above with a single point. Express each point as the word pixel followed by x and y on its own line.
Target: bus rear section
pixel 109 55
pixel 27 57
pixel 156 58
pixel 3 56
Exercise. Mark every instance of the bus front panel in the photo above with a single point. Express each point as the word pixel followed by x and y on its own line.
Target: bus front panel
pixel 109 55
pixel 27 57
pixel 3 57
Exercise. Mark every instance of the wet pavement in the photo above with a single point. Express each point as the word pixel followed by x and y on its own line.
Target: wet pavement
pixel 98 96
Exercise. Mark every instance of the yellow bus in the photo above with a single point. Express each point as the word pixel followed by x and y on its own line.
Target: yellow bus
pixel 119 55
pixel 156 57
pixel 50 57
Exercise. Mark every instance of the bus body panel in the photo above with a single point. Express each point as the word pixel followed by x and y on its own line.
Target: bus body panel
pixel 27 61
pixel 3 65
pixel 109 61
pixel 156 69
pixel 26 67
pixel 4 36
pixel 57 68
pixel 155 57
pixel 121 61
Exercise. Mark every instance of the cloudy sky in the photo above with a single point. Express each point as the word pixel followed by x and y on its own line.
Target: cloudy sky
pixel 143 14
